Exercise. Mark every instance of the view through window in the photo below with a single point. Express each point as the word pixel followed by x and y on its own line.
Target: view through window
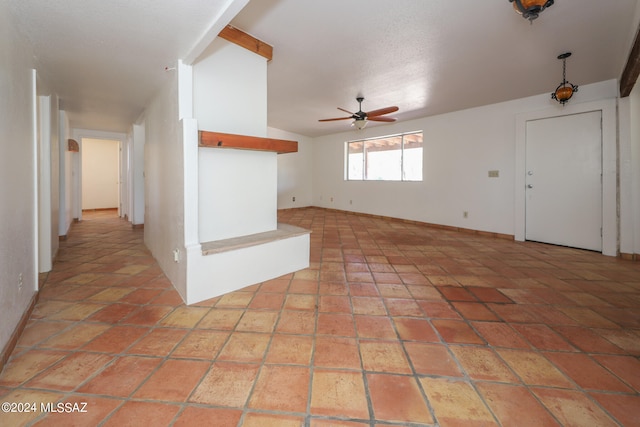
pixel 388 158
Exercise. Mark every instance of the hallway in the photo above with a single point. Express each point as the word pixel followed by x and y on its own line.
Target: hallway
pixel 393 324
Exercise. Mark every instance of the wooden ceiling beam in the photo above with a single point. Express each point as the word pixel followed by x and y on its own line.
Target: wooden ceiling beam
pixel 631 70
pixel 247 41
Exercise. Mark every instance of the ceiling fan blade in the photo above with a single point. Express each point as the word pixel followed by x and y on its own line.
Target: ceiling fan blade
pixel 382 111
pixel 381 119
pixel 338 118
pixel 346 111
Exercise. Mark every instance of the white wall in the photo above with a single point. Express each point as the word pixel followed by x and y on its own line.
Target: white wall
pixel 459 150
pixel 136 184
pixel 18 238
pixel 237 188
pixel 164 177
pixel 125 176
pixel 629 110
pixel 45 208
pixel 66 157
pixel 48 174
pixel 230 90
pixel 294 171
pixel 100 173
pixel 634 201
pixel 237 194
pixel 54 179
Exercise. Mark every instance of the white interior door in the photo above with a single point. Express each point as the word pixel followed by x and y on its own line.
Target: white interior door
pixel 564 180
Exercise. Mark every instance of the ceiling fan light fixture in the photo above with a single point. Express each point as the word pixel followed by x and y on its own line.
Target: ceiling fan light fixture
pixel 360 118
pixel 530 9
pixel 565 90
pixel 360 123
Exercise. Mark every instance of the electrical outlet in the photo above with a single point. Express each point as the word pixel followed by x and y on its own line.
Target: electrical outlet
pixel 20 281
pixel 331 199
pixel 465 214
pixel 350 202
pixel 293 199
pixel 176 255
pixel 494 174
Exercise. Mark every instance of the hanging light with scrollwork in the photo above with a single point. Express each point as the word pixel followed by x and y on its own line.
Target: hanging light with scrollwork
pixel 530 9
pixel 565 90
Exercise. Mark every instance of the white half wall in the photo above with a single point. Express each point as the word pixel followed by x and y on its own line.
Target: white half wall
pixel 213 275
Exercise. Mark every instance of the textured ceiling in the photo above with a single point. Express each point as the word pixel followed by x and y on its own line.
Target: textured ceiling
pixel 106 58
pixel 427 57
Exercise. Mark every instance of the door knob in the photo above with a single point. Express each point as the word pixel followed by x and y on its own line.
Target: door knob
pixel 530 173
pixel 529 186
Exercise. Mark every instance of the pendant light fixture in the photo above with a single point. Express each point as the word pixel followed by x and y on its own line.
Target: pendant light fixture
pixel 530 9
pixel 565 90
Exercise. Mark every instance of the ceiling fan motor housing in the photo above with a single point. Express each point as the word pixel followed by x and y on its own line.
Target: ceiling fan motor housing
pixel 361 117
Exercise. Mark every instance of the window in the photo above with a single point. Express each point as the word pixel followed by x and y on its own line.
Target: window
pixel 389 158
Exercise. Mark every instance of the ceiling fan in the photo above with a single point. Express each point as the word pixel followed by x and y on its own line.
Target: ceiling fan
pixel 360 118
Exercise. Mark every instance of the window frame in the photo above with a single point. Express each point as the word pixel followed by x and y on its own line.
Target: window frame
pixel 363 152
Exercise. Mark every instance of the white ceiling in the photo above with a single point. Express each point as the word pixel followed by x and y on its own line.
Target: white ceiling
pixel 106 58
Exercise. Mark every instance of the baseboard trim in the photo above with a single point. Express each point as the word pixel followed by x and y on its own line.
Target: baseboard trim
pixel 15 336
pixel 420 223
pixel 629 257
pixel 99 209
pixel 137 226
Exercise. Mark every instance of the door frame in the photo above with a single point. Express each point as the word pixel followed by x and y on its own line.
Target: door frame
pixel 45 258
pixel 78 135
pixel 610 234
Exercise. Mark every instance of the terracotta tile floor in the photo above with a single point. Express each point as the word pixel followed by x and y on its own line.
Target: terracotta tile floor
pixel 393 324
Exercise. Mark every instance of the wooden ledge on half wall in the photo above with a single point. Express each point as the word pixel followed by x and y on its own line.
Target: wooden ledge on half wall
pixel 244 142
pixel 284 231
